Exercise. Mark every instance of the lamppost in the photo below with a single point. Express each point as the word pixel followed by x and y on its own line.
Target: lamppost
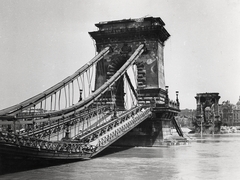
pixel 213 113
pixel 80 97
pixel 201 125
pixel 166 98
pixel 202 118
pixel 177 92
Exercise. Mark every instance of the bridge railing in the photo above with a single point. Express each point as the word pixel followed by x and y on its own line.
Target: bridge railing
pixel 109 132
pixel 55 147
pixel 89 136
pixel 126 124
pixel 43 129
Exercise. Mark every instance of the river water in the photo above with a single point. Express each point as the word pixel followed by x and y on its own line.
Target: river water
pixel 209 157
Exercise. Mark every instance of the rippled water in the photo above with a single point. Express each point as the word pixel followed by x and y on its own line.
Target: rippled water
pixel 208 158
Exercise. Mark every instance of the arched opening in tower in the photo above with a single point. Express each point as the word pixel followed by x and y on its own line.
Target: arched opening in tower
pixel 107 67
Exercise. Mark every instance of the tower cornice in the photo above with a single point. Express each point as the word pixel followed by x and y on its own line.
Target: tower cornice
pixel 132 29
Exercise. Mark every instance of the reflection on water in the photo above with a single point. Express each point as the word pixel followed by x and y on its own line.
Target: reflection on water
pixel 207 158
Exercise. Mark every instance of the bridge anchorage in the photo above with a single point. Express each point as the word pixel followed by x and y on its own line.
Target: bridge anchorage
pixel 117 98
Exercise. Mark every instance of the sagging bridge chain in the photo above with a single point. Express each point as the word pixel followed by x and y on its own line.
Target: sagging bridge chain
pixel 17 110
pixel 51 97
pixel 57 120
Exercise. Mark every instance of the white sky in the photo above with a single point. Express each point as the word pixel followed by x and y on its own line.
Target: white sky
pixel 44 41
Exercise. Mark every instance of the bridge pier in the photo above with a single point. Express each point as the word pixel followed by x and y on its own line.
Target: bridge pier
pixel 154 131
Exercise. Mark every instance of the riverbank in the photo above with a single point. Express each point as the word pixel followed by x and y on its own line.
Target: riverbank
pixel 211 137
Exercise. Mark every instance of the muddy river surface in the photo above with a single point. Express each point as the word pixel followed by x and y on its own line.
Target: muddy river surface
pixel 212 157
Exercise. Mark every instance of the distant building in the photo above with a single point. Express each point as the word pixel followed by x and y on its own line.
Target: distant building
pixel 186 117
pixel 230 113
pixel 226 113
pixel 236 114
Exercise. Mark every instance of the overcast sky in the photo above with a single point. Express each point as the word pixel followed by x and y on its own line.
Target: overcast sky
pixel 44 41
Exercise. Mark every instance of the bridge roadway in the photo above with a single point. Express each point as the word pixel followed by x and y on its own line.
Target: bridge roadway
pixel 81 127
pixel 83 147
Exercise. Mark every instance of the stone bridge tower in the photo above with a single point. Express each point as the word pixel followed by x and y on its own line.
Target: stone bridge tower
pixel 207 112
pixel 124 37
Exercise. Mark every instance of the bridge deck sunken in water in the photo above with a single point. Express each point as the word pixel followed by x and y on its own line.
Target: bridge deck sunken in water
pixel 59 125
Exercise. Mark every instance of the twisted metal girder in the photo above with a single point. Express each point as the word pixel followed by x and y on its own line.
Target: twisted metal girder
pixel 81 147
pixel 99 131
pixel 115 129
